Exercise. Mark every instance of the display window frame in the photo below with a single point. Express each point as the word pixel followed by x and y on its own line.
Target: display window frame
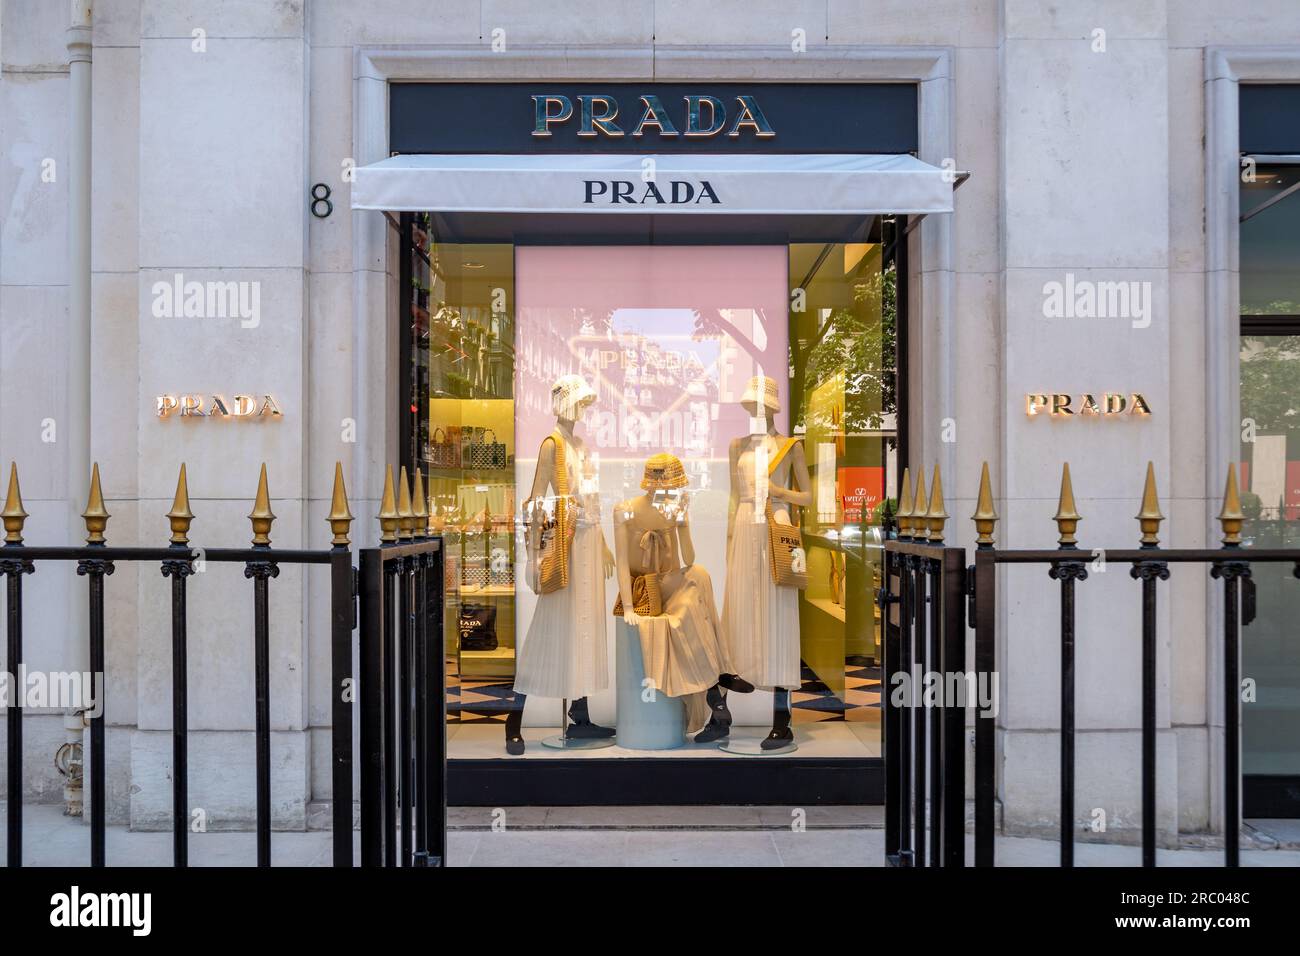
pixel 664 779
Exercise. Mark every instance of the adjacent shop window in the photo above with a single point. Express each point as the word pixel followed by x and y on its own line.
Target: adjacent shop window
pixel 1270 407
pixel 705 436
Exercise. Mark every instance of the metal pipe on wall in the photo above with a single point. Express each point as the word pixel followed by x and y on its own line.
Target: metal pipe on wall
pixel 75 427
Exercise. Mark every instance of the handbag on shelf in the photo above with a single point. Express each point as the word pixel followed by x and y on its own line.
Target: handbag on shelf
pixel 444 453
pixel 789 560
pixel 553 533
pixel 495 451
pixel 647 596
pixel 478 627
pixel 484 453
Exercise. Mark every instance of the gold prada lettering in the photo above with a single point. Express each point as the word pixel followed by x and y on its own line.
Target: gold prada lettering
pixel 1107 405
pixel 240 406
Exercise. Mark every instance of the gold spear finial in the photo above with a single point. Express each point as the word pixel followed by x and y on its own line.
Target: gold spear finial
pixel 96 515
pixel 938 517
pixel 1230 516
pixel 340 516
pixel 261 516
pixel 180 516
pixel 1149 517
pixel 13 515
pixel 406 518
pixel 904 514
pixel 388 518
pixel 1067 518
pixel 920 509
pixel 419 510
pixel 985 517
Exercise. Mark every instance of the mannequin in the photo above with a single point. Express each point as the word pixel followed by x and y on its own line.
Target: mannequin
pixel 564 652
pixel 760 620
pixel 682 648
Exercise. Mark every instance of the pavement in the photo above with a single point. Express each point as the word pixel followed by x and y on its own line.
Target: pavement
pixel 622 836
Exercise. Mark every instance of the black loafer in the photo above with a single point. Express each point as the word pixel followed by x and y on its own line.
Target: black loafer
pixel 778 739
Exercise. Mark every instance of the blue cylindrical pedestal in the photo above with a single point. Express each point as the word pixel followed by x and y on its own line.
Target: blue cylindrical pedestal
pixel 657 723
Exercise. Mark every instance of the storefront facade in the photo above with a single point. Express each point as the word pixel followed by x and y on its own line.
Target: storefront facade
pixel 1098 161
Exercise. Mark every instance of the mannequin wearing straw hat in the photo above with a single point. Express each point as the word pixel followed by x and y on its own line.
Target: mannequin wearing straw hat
pixel 760 620
pixel 681 647
pixel 564 652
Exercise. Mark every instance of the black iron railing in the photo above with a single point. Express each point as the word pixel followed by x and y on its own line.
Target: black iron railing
pixel 917 560
pixel 403 719
pixel 925 633
pixel 178 561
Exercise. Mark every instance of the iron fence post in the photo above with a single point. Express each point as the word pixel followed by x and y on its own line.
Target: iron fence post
pixel 344 692
pixel 1149 572
pixel 370 640
pixel 13 566
pixel 985 728
pixel 953 651
pixel 178 570
pixel 261 572
pixel 94 570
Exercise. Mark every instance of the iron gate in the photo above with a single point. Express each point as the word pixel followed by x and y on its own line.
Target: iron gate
pixel 924 587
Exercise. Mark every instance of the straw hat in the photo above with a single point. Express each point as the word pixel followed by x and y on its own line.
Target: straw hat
pixel 762 389
pixel 663 471
pixel 568 396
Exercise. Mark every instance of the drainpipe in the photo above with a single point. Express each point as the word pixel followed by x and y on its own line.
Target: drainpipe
pixel 76 423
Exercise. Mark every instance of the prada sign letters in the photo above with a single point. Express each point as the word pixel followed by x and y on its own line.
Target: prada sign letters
pixel 703 117
pixel 1099 405
pixel 697 116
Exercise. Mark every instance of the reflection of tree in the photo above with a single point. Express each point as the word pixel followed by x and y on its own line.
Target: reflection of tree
pixel 1270 382
pixel 714 325
pixel 1276 307
pixel 854 342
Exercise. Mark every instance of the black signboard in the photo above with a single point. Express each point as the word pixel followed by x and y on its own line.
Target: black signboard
pixel 1270 119
pixel 652 118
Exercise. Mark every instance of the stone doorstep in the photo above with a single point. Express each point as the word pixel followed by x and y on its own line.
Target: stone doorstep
pixel 637 818
pixel 1255 835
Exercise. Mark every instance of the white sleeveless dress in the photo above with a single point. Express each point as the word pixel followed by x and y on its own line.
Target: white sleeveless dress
pixel 760 621
pixel 564 653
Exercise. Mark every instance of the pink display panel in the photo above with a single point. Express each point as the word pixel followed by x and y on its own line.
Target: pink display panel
pixel 668 335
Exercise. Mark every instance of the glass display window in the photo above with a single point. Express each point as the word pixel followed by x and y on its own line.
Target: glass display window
pixel 663 473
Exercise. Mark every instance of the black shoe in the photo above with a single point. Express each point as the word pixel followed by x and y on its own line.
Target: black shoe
pixel 719 724
pixel 778 739
pixel 588 731
pixel 582 728
pixel 735 683
pixel 515 746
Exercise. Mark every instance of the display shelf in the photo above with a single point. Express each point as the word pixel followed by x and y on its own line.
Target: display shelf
pixel 828 606
pixel 491 590
pixel 495 663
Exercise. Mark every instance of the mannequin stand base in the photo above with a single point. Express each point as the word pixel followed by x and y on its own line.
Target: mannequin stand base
pixel 560 742
pixel 750 747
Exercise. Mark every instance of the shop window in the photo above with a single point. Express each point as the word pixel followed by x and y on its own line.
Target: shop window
pixel 678 390
pixel 1270 469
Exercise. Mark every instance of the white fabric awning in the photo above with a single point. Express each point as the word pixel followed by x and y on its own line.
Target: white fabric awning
pixel 716 183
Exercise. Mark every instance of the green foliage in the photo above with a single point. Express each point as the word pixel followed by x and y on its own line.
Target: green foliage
pixel 1270 382
pixel 864 348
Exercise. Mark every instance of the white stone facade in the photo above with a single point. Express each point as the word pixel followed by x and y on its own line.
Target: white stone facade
pixel 205 145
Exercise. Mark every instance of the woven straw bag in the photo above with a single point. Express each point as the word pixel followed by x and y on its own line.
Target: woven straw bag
pixel 556 533
pixel 647 597
pixel 789 560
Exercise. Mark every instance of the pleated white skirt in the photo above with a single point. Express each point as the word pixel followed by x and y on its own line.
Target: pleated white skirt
pixel 760 621
pixel 564 653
